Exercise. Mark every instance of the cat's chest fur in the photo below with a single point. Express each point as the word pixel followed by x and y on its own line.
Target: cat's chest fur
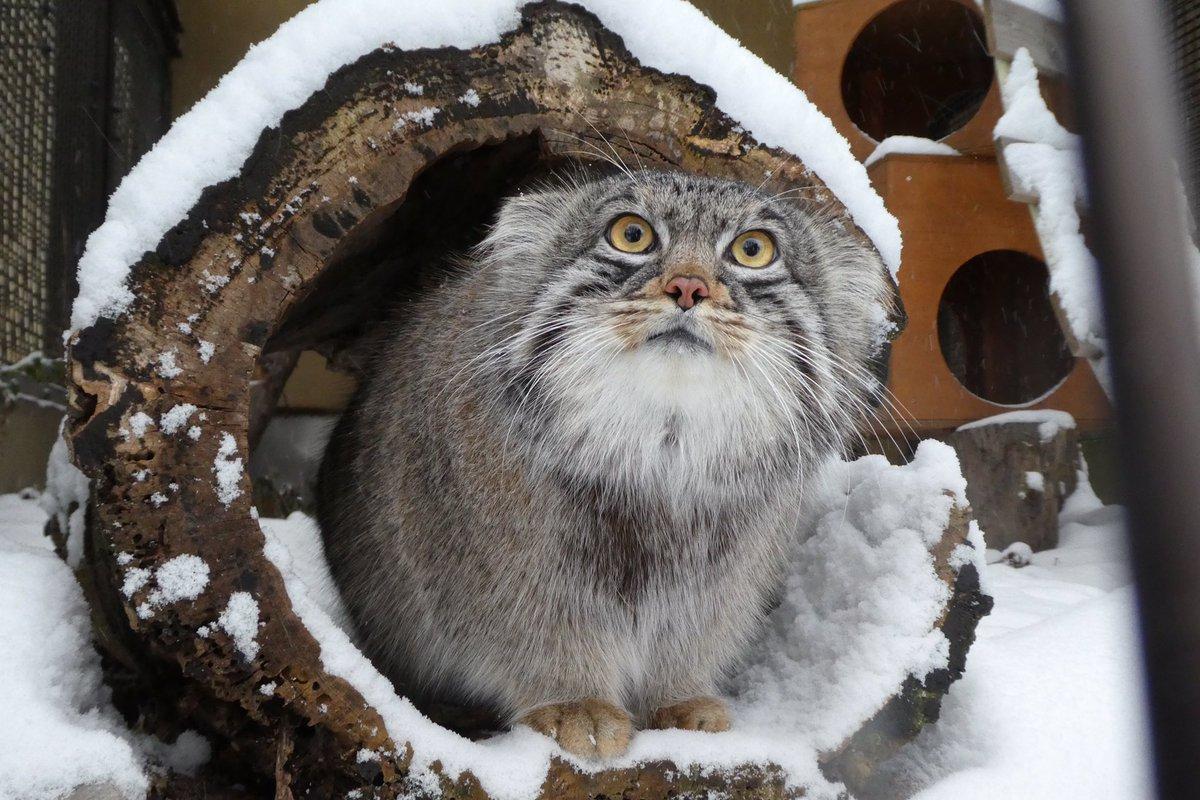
pixel 656 440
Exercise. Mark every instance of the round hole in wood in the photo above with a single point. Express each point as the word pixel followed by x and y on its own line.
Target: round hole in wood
pixel 998 331
pixel 919 68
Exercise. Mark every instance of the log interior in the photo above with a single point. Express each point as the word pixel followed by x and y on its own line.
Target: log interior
pixel 391 256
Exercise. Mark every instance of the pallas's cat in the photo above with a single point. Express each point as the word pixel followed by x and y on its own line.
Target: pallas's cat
pixel 570 479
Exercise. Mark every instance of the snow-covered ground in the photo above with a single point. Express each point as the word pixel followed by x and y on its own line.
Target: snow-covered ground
pixel 1049 706
pixel 58 729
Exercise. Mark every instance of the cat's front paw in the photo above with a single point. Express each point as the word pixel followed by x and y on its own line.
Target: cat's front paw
pixel 587 728
pixel 697 714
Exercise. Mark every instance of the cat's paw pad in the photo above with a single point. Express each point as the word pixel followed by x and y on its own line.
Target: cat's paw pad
pixel 697 714
pixel 587 728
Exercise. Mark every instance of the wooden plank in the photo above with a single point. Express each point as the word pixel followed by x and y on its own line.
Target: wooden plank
pixel 1011 26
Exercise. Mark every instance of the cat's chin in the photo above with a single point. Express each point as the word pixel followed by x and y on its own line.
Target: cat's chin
pixel 680 340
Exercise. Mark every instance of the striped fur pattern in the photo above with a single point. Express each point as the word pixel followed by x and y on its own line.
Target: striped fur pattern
pixel 556 485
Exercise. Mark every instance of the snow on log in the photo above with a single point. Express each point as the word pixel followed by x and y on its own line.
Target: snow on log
pixel 179 350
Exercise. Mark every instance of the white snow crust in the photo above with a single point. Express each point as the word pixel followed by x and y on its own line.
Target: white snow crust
pixel 240 621
pixel 909 145
pixel 227 466
pixel 1048 420
pixel 1026 116
pixel 1044 162
pixel 66 496
pixel 59 730
pixel 209 143
pixel 176 418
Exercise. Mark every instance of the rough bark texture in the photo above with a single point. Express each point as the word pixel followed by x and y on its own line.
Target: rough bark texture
pixel 998 460
pixel 331 212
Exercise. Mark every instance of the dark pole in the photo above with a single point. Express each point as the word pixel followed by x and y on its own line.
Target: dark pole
pixel 1132 133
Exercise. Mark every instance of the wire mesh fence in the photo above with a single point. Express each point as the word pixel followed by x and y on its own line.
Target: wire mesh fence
pixel 27 72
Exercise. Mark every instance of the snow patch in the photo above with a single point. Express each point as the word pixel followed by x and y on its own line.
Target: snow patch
pixel 167 366
pixel 1017 554
pixel 1049 421
pixel 212 283
pixel 909 145
pixel 1055 177
pixel 189 752
pixel 860 600
pixel 228 468
pixel 58 730
pixel 1056 661
pixel 66 497
pixel 422 116
pixel 1044 163
pixel 139 423
pixel 183 577
pixel 176 418
pixel 135 579
pixel 1026 116
pixel 240 621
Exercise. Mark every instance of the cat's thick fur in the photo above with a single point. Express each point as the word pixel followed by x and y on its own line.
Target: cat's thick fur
pixel 540 502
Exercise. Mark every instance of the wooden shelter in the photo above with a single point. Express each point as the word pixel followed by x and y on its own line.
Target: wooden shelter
pixel 984 334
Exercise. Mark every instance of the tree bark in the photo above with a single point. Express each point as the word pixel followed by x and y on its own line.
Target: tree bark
pixel 330 213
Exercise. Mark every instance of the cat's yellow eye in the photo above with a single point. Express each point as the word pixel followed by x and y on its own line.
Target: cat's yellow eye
pixel 754 249
pixel 631 234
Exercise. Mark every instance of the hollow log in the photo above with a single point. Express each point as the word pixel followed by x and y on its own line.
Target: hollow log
pixel 339 207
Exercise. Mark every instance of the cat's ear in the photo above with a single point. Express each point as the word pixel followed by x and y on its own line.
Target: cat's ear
pixel 863 309
pixel 529 221
pixel 541 207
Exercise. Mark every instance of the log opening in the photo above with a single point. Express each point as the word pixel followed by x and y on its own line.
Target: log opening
pixel 386 260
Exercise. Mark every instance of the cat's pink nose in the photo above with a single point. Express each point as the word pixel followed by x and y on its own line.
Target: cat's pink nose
pixel 688 290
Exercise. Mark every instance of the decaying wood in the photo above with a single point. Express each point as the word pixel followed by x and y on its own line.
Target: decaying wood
pixel 335 209
pixel 997 461
pixel 1012 25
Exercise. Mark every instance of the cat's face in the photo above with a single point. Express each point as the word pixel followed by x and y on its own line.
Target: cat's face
pixel 674 297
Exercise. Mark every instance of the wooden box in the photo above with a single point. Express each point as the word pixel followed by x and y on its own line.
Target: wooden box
pixel 899 67
pixel 1000 328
